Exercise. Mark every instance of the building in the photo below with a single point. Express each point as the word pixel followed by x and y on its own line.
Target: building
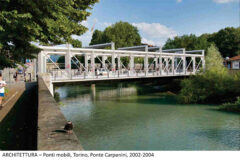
pixel 233 63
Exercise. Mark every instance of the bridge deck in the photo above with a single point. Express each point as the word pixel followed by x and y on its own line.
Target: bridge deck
pixel 81 78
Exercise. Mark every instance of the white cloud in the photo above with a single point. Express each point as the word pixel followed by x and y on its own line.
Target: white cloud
pixel 179 1
pixel 147 41
pixel 106 24
pixel 225 1
pixel 85 38
pixel 85 23
pixel 154 33
pixel 155 30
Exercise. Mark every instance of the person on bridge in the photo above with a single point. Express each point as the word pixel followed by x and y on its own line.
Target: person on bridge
pixel 2 90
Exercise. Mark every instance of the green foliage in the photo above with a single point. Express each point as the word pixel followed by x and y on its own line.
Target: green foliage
pixel 215 85
pixel 226 40
pixel 231 107
pixel 190 42
pixel 57 96
pixel 61 59
pixel 122 33
pixel 46 22
pixel 238 101
pixel 214 62
pixel 97 37
pixel 76 43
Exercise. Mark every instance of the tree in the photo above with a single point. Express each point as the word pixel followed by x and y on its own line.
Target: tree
pixel 227 40
pixel 47 22
pixel 189 42
pixel 122 33
pixel 214 85
pixel 97 37
pixel 214 62
pixel 76 43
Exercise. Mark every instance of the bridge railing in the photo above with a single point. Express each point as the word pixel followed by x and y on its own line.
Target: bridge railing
pixel 111 66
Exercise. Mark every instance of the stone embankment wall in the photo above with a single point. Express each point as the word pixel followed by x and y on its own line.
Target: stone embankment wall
pixel 51 121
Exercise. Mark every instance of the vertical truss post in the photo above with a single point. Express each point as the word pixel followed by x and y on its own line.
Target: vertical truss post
pixel 131 64
pixel 86 63
pixel 184 61
pixel 194 64
pixel 40 62
pixel 146 64
pixel 184 64
pixel 160 64
pixel 44 64
pixel 173 64
pixel 156 64
pixel 113 62
pixel 119 63
pixel 112 45
pixel 160 49
pixel 160 61
pixel 167 66
pixel 104 58
pixel 93 63
pixel 68 60
pixel 203 60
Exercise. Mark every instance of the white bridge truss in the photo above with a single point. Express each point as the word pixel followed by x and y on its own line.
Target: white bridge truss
pixel 157 63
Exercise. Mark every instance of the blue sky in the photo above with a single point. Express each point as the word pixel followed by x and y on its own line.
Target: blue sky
pixel 158 20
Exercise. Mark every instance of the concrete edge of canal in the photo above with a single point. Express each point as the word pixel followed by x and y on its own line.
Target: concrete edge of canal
pixel 51 122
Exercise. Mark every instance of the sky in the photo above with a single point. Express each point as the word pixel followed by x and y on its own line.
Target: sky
pixel 158 20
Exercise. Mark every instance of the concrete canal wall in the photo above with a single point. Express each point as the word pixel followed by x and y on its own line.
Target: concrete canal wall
pixel 31 119
pixel 51 123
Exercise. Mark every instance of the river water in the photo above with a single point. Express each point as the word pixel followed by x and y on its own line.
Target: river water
pixel 131 116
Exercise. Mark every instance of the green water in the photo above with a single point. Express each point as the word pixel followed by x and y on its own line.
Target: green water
pixel 140 117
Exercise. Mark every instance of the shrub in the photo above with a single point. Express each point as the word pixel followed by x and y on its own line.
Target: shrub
pixel 215 85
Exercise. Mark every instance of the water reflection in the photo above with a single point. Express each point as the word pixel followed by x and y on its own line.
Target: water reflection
pixel 135 117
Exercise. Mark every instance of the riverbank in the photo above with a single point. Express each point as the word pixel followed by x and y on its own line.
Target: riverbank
pixel 231 107
pixel 51 121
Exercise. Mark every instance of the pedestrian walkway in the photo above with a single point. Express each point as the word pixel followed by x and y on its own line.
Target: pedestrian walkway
pixel 15 90
pixel 18 124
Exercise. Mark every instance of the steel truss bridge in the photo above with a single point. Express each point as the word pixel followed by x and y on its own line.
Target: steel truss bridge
pixel 156 62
